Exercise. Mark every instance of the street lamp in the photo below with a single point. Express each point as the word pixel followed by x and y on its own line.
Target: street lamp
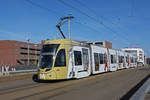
pixel 28 39
pixel 36 54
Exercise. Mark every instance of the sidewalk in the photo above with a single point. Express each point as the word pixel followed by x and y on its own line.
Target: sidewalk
pixel 143 93
pixel 147 97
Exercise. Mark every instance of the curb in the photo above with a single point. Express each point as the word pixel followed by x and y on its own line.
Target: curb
pixel 141 93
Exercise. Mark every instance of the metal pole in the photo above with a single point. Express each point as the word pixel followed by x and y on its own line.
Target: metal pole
pixel 36 54
pixel 69 28
pixel 28 63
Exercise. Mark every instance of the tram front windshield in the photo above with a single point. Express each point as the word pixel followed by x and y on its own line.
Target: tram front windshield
pixel 47 54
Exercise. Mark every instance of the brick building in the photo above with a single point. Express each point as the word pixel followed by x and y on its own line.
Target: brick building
pixel 19 53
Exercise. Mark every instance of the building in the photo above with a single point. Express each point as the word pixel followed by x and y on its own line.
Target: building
pixel 138 52
pixel 105 44
pixel 19 53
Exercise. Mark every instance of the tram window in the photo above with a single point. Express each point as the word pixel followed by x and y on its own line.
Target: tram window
pixel 122 59
pixel 113 59
pixel 85 57
pixel 77 57
pixel 52 48
pixel 127 59
pixel 46 61
pixel 135 60
pixel 101 58
pixel 105 58
pixel 96 59
pixel 132 61
pixel 119 58
pixel 60 58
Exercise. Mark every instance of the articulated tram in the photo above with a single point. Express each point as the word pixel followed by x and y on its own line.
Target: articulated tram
pixel 66 59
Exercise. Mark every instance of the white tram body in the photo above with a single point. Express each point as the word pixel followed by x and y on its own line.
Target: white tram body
pixel 138 53
pixel 99 57
pixel 121 59
pixel 112 54
pixel 66 59
pixel 127 60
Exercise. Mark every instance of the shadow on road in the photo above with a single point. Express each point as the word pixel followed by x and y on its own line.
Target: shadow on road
pixel 35 79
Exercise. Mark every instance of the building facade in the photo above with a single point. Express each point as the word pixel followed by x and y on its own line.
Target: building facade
pixel 19 53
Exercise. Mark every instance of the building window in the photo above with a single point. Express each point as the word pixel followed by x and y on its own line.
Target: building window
pixel 21 44
pixel 77 57
pixel 60 58
pixel 16 44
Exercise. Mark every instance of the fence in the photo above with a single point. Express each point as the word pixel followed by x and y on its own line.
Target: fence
pixel 6 70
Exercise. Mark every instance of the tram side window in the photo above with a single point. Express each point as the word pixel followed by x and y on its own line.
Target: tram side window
pixel 96 60
pixel 77 57
pixel 113 59
pixel 119 57
pixel 135 60
pixel 60 58
pixel 122 59
pixel 101 58
pixel 127 59
pixel 132 61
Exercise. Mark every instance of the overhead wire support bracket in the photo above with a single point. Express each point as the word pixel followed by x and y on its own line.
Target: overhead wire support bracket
pixel 62 21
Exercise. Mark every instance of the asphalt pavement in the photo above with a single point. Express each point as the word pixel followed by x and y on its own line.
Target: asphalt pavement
pixel 106 86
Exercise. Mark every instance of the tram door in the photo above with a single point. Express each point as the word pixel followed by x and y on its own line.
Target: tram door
pixel 85 59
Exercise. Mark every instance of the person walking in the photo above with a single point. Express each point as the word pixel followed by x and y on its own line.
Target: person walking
pixel 2 69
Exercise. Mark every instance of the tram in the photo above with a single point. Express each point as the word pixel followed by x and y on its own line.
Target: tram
pixel 66 59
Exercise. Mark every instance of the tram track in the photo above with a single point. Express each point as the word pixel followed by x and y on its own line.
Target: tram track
pixel 19 88
pixel 69 87
pixel 52 90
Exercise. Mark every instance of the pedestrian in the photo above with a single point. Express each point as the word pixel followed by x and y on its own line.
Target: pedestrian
pixel 7 69
pixel 2 69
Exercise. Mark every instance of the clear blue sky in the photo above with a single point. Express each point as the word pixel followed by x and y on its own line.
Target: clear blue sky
pixel 126 23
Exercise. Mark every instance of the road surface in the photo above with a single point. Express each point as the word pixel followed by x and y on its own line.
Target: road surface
pixel 106 86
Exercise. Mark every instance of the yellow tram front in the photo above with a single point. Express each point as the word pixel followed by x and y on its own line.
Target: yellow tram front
pixel 54 60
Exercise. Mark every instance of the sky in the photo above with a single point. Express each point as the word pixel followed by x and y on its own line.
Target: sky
pixel 125 23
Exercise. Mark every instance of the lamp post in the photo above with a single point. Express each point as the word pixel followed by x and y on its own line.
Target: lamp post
pixel 28 63
pixel 36 54
pixel 69 21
